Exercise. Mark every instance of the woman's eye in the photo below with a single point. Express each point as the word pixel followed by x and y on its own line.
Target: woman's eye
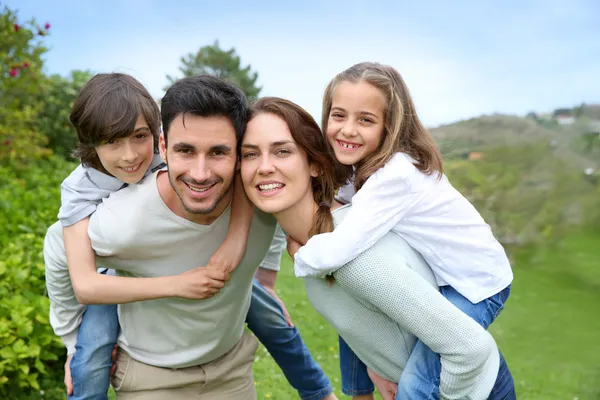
pixel 282 152
pixel 249 155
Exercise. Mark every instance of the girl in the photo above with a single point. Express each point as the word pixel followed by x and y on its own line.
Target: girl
pixel 398 185
pixel 387 296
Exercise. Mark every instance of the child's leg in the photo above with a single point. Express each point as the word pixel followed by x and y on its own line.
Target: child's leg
pixel 90 366
pixel 421 376
pixel 355 379
pixel 266 320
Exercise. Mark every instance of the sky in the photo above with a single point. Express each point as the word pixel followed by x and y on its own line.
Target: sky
pixel 460 59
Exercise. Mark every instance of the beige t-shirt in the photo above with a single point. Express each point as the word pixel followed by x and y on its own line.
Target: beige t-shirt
pixel 135 233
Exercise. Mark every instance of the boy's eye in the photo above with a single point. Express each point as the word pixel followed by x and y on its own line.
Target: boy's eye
pixel 184 151
pixel 111 141
pixel 141 136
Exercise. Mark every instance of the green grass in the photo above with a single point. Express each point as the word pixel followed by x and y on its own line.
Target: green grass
pixel 549 331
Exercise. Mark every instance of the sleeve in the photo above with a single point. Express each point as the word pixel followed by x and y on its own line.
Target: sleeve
pixel 79 197
pixel 272 260
pixel 65 311
pixel 346 193
pixel 377 207
pixel 467 351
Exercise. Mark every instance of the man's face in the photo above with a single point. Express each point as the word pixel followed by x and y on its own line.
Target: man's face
pixel 201 158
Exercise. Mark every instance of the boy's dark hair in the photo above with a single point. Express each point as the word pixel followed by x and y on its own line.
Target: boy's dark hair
pixel 107 108
pixel 205 96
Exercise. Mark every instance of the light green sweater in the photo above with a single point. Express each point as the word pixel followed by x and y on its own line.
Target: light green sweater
pixel 385 299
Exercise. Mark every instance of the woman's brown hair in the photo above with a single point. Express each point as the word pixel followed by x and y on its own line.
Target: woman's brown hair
pixel 308 136
pixel 403 132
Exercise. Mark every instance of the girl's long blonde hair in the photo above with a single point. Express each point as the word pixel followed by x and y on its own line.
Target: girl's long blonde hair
pixel 403 131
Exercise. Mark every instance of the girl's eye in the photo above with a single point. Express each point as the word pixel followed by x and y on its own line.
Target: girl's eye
pixel 337 115
pixel 249 155
pixel 111 141
pixel 367 120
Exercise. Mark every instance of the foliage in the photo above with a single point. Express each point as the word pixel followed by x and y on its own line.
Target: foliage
pixel 21 78
pixel 226 64
pixel 30 352
pixel 53 122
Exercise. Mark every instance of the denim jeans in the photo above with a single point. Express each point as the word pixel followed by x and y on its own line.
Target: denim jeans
pixel 266 320
pixel 90 366
pixel 420 378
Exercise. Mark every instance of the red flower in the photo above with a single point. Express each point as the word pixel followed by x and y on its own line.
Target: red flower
pixel 47 26
pixel 13 72
pixel 17 27
pixel 25 64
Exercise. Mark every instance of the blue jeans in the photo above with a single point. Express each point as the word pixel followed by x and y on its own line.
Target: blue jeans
pixel 420 378
pixel 90 366
pixel 265 319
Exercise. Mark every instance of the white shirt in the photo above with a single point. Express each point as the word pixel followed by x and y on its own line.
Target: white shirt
pixel 430 214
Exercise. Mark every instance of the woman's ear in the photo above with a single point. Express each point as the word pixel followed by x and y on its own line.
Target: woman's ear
pixel 314 171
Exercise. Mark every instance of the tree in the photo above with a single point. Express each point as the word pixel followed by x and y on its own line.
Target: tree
pixel 58 96
pixel 21 80
pixel 224 64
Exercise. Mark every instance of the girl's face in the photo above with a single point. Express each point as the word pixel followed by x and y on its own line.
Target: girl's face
pixel 356 121
pixel 275 170
pixel 128 158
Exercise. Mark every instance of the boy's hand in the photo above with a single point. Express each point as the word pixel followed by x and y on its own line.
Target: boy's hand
pixel 201 283
pixel 68 379
pixel 387 389
pixel 228 256
pixel 292 246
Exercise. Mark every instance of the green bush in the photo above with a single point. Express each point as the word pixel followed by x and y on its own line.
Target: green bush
pixel 31 355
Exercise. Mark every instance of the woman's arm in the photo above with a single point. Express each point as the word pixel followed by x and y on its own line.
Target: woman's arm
pixel 93 288
pixel 377 207
pixel 382 277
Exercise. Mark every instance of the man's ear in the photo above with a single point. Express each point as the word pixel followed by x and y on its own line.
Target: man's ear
pixel 162 147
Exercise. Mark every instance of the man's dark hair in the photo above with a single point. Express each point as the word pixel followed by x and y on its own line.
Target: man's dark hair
pixel 205 96
pixel 107 108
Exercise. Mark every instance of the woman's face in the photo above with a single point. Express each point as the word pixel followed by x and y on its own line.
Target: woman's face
pixel 275 170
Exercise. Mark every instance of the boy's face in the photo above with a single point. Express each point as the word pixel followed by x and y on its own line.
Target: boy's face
pixel 128 158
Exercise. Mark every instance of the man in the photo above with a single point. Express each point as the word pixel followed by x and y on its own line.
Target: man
pixel 167 225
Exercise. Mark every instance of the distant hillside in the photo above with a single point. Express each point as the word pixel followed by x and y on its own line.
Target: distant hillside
pixel 566 140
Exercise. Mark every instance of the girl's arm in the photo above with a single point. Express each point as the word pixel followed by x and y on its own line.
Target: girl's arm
pixel 93 288
pixel 377 207
pixel 466 350
pixel 230 253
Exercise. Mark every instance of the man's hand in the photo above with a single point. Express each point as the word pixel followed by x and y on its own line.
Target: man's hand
pixel 292 246
pixel 200 283
pixel 387 389
pixel 267 278
pixel 68 379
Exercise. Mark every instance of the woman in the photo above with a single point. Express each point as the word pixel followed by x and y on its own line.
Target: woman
pixel 288 170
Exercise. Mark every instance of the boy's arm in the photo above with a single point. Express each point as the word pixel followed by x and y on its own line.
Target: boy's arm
pixel 93 288
pixel 230 253
pixel 377 207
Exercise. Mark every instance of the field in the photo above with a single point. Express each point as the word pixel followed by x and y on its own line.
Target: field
pixel 548 332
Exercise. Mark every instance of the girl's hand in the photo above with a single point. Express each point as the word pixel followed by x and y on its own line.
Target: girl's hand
pixel 292 246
